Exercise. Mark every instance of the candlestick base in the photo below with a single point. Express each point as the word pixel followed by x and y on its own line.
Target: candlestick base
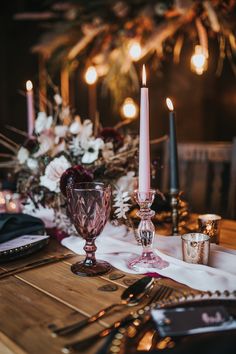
pixel 146 232
pixel 147 260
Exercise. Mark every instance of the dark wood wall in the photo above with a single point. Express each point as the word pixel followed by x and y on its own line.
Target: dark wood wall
pixel 205 105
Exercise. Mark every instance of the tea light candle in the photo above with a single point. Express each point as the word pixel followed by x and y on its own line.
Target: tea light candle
pixel 11 207
pixel 13 203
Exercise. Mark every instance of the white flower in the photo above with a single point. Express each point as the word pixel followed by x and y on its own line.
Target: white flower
pixel 76 126
pixel 92 150
pixel 49 184
pixel 65 113
pixel 46 143
pixel 32 164
pixel 83 141
pixel 87 130
pixel 56 168
pixel 60 132
pixel 121 204
pixel 22 155
pixel 75 146
pixel 29 207
pixel 42 122
pixel 126 183
pixel 53 173
pixel 58 99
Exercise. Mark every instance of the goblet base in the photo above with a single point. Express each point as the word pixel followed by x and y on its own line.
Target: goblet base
pixel 146 261
pixel 101 267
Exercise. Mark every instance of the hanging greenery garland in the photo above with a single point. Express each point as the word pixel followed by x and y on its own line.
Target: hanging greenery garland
pixel 113 35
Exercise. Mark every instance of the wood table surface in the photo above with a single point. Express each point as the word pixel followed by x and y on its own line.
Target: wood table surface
pixel 34 299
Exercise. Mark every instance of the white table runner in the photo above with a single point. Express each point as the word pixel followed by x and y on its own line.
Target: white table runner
pixel 117 246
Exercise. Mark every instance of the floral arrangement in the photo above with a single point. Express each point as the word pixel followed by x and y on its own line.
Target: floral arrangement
pixel 64 149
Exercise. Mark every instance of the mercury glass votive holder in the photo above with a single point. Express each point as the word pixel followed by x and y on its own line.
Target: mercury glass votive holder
pixel 196 248
pixel 209 224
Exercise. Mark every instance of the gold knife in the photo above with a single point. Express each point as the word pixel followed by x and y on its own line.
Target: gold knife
pixel 38 263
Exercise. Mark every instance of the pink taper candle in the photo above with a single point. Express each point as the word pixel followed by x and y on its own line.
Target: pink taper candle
pixel 144 143
pixel 30 107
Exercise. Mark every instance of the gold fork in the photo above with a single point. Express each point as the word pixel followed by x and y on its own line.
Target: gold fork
pixel 162 292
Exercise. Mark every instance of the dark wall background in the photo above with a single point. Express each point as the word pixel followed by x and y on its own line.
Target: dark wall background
pixel 205 105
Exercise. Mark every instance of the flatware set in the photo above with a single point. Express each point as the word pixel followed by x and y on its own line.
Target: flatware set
pixel 162 292
pixel 130 297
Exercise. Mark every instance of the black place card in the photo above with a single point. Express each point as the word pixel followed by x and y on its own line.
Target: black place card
pixel 192 320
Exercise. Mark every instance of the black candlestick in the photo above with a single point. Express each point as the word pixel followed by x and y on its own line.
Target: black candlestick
pixel 174 170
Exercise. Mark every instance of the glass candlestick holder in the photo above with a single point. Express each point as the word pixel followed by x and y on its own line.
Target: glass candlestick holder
pixel 146 232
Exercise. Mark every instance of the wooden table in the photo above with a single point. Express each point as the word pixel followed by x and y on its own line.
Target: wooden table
pixel 32 300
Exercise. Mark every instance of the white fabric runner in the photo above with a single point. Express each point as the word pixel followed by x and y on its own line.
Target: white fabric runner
pixel 117 246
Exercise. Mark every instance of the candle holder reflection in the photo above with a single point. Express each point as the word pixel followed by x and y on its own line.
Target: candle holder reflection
pixel 146 232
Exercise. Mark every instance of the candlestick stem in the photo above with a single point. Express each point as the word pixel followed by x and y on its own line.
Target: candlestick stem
pixel 174 202
pixel 146 232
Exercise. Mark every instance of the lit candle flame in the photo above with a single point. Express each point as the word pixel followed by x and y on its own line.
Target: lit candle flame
pixel 169 104
pixel 29 85
pixel 91 75
pixel 144 76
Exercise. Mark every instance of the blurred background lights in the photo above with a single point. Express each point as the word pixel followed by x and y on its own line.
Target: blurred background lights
pixel 91 75
pixel 199 60
pixel 129 108
pixel 135 51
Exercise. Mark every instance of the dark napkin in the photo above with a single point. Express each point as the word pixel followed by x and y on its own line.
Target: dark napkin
pixel 14 225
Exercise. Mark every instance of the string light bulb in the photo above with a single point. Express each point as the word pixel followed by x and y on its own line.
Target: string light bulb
pixel 91 75
pixel 129 109
pixel 199 62
pixel 135 51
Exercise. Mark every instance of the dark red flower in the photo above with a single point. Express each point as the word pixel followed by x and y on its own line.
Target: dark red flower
pixel 57 233
pixel 74 175
pixel 112 135
pixel 31 144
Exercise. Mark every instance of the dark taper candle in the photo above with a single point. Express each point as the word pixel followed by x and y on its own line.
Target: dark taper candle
pixel 173 152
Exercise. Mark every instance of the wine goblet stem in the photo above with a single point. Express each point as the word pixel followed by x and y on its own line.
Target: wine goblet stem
pixel 90 249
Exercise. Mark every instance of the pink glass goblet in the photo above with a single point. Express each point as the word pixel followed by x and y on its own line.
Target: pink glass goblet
pixel 89 205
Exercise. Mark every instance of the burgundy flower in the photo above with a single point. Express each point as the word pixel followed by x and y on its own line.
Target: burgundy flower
pixel 112 135
pixel 31 144
pixel 57 233
pixel 74 175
